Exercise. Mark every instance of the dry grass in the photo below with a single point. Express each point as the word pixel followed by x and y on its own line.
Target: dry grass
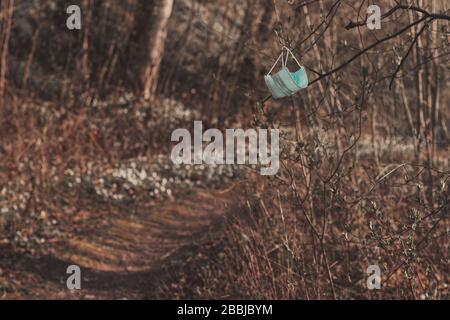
pixel 267 249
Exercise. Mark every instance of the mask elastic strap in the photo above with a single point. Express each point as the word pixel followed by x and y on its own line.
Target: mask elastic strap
pixel 282 62
pixel 288 51
pixel 287 56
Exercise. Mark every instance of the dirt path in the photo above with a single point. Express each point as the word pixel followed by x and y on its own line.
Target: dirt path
pixel 125 257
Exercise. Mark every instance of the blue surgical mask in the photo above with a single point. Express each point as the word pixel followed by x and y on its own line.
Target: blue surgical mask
pixel 285 83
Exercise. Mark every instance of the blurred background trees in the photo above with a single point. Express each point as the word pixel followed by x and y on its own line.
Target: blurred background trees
pixel 153 24
pixel 365 147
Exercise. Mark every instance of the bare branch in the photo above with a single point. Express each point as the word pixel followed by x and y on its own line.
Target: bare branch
pixel 408 51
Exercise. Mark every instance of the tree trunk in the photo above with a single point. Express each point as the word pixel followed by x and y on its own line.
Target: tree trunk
pixel 4 45
pixel 88 7
pixel 156 14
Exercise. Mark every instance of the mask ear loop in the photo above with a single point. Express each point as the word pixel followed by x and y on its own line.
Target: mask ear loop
pixel 288 51
pixel 287 56
pixel 281 56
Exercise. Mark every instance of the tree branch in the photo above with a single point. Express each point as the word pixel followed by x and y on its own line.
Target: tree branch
pixel 343 65
pixel 416 37
pixel 439 16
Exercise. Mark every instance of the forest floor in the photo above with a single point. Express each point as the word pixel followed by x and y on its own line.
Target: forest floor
pixel 144 228
pixel 122 257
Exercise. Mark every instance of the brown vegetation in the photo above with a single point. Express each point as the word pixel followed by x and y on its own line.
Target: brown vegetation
pixel 85 176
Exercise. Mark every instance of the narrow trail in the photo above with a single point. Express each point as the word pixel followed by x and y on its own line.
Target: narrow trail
pixel 126 257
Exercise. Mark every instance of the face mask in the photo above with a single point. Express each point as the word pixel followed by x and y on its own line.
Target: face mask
pixel 285 83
